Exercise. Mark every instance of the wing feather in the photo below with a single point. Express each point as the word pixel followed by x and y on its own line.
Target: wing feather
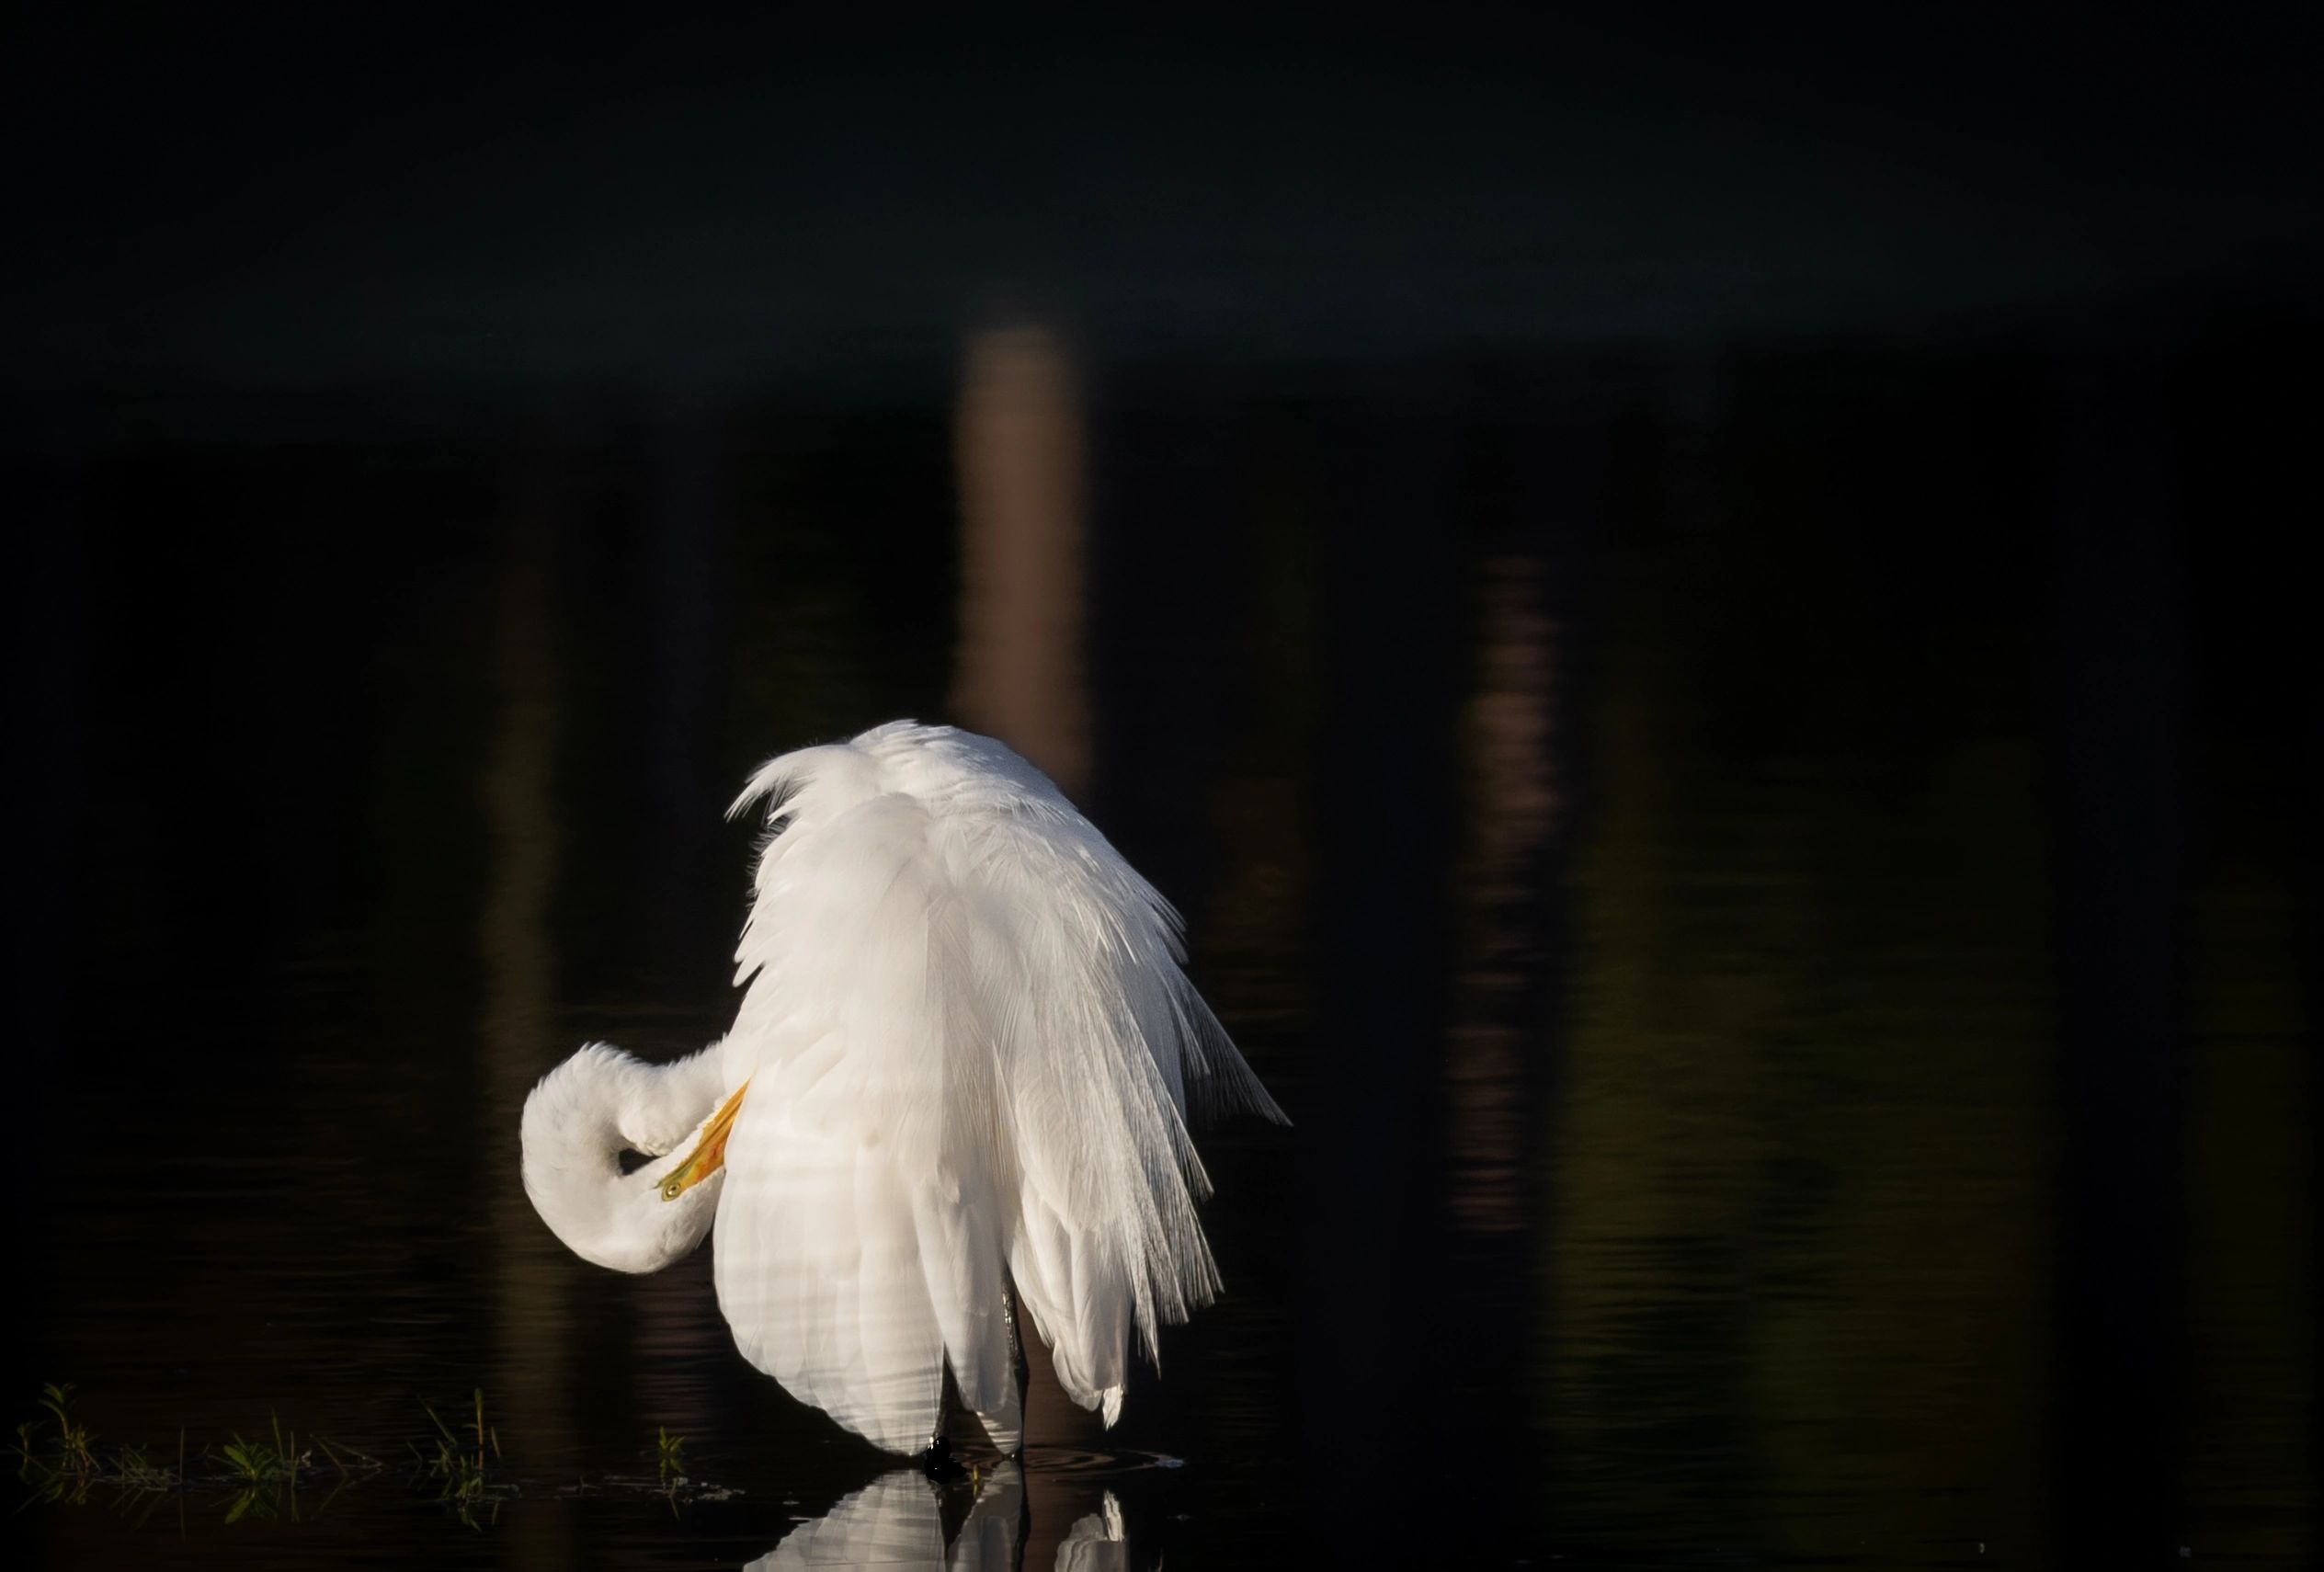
pixel 969 1045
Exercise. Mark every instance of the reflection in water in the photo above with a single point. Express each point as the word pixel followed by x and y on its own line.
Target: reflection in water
pixel 1799 1159
pixel 519 971
pixel 1021 456
pixel 1019 448
pixel 899 1519
pixel 1507 735
pixel 1770 1272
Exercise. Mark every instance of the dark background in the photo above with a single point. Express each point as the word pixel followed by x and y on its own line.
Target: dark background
pixel 1703 613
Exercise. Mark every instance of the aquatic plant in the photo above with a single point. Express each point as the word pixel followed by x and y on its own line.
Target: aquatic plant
pixel 61 1459
pixel 459 1465
pixel 139 1475
pixel 72 1437
pixel 62 1462
pixel 265 1475
pixel 59 1465
pixel 364 1461
pixel 257 1462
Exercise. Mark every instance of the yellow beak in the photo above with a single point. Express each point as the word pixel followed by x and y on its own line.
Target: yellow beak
pixel 710 1152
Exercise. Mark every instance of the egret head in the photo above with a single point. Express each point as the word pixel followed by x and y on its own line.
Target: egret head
pixel 578 1124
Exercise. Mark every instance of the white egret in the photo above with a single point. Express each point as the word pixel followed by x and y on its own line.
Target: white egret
pixel 957 1085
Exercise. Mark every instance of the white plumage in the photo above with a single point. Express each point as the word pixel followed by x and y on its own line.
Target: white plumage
pixel 897 1520
pixel 963 1057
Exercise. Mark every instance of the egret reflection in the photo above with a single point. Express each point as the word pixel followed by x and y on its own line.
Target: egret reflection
pixel 899 1520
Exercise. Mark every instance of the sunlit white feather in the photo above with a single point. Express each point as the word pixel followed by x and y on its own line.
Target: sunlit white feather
pixel 969 1046
pixel 966 1014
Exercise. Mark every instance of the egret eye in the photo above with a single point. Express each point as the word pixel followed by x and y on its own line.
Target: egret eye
pixel 672 1189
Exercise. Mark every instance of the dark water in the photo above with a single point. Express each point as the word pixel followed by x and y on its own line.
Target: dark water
pixel 1774 887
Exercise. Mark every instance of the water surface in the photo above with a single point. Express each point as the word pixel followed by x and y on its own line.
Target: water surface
pixel 1780 938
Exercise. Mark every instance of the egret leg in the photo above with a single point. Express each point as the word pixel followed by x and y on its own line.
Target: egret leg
pixel 937 1461
pixel 1018 1362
